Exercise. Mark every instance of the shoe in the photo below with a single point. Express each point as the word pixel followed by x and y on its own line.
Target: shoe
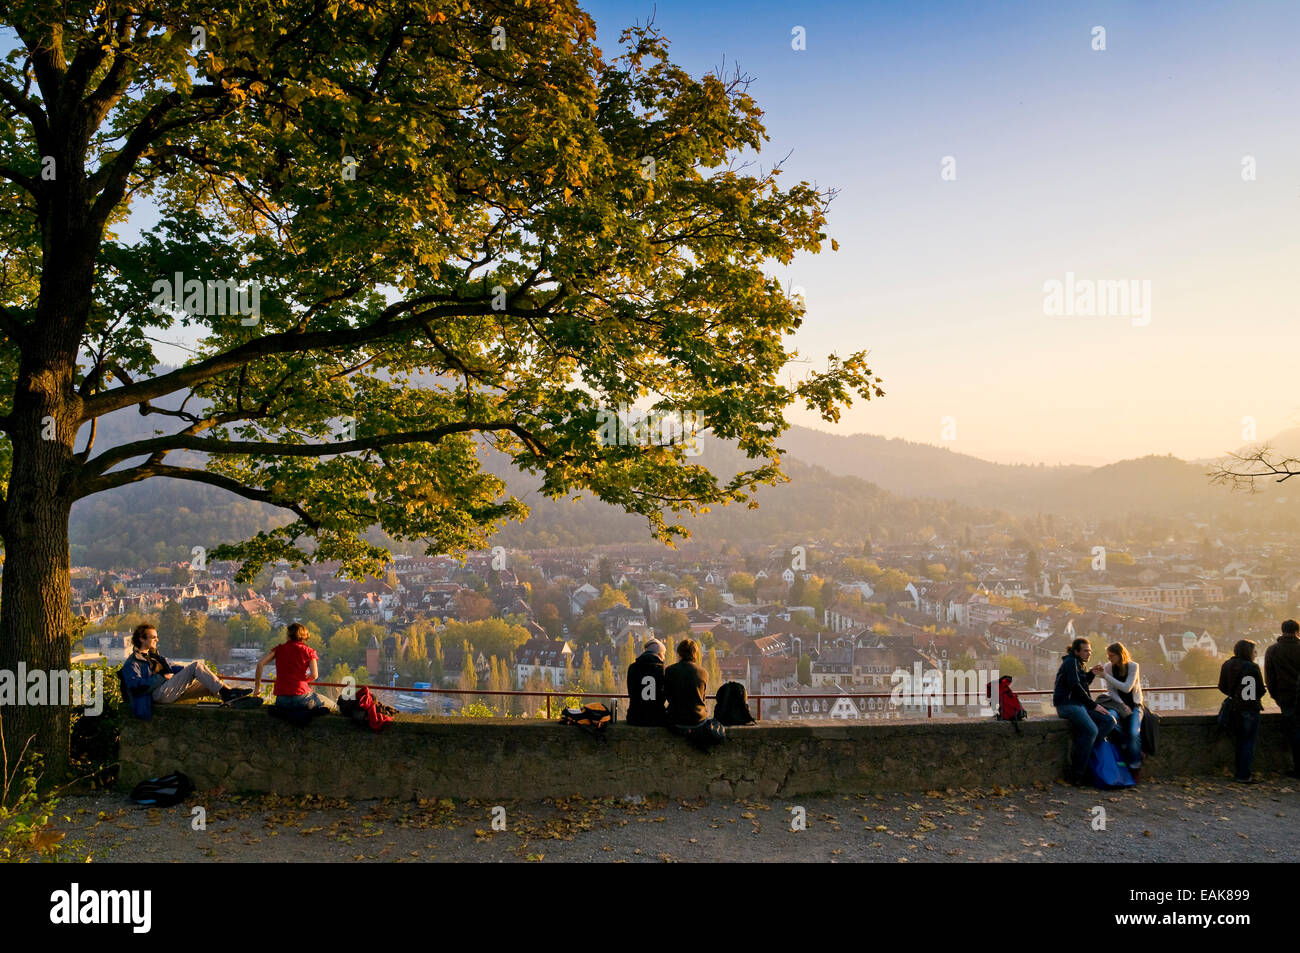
pixel 1136 774
pixel 1245 780
pixel 230 694
pixel 246 701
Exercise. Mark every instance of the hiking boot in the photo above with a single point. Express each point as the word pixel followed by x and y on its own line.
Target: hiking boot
pixel 230 694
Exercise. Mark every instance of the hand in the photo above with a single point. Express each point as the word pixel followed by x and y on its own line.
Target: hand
pixel 1097 670
pixel 166 675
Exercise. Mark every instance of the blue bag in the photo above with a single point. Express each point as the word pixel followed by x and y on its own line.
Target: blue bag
pixel 1106 769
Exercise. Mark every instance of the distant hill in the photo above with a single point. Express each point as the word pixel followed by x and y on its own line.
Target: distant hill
pixel 841 487
pixel 1158 485
pixel 161 520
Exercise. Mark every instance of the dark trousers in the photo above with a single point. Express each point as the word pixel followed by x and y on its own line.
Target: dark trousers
pixel 1291 728
pixel 1246 725
pixel 1090 729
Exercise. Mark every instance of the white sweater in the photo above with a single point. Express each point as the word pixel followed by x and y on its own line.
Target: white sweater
pixel 1132 684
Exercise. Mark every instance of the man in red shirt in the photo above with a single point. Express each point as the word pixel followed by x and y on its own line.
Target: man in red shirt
pixel 296 667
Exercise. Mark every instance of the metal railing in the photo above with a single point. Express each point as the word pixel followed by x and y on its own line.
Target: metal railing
pixel 928 699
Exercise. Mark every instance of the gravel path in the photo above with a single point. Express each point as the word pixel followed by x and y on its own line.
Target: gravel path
pixel 1160 821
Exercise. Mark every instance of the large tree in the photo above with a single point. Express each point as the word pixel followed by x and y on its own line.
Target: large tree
pixel 459 225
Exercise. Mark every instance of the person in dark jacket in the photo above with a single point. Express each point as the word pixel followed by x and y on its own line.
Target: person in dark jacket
pixel 646 696
pixel 1282 673
pixel 1073 701
pixel 686 684
pixel 1242 681
pixel 147 677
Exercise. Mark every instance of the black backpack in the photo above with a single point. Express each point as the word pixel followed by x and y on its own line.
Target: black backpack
pixel 593 718
pixel 298 717
pixel 707 734
pixel 732 705
pixel 162 792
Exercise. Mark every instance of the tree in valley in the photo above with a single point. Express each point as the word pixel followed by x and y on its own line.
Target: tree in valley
pixel 673 622
pixel 1201 667
pixel 1010 665
pixel 393 239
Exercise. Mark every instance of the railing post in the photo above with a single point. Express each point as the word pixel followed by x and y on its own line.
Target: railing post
pixel 759 716
pixel 548 706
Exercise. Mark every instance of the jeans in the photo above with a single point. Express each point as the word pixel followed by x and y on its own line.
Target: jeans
pixel 309 700
pixel 1291 728
pixel 193 681
pixel 1090 728
pixel 1133 747
pixel 1246 725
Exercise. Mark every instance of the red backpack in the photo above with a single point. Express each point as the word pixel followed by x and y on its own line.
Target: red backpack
pixel 1009 707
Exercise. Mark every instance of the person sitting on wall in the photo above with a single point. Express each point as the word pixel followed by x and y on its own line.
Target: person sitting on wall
pixel 1074 703
pixel 646 696
pixel 296 667
pixel 686 685
pixel 147 677
pixel 1124 682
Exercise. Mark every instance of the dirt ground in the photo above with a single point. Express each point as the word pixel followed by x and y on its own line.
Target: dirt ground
pixel 1159 821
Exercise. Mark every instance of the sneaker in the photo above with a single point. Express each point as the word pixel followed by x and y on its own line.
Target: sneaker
pixel 1245 780
pixel 230 694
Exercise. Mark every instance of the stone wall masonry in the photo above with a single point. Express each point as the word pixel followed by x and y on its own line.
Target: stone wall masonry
pixel 249 751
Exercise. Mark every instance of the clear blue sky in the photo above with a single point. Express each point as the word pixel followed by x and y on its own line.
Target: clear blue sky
pixel 1114 165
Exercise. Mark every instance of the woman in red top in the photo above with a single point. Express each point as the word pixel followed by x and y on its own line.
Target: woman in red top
pixel 295 669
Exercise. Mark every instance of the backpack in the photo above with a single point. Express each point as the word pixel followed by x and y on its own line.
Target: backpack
pixel 707 734
pixel 365 711
pixel 1009 707
pixel 732 705
pixel 593 718
pixel 1105 769
pixel 162 792
pixel 1149 730
pixel 298 717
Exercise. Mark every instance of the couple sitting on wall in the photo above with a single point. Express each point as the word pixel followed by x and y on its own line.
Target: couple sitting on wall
pixel 672 696
pixel 1092 720
pixel 147 677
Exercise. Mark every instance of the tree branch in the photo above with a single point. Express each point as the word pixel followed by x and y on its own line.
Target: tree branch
pixel 191 441
pixel 30 109
pixel 28 184
pixel 141 137
pixel 291 342
pixel 13 329
pixel 144 472
pixel 1254 466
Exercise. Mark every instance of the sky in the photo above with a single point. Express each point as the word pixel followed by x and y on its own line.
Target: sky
pixel 1130 163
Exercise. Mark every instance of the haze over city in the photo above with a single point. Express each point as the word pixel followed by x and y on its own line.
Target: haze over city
pixel 1119 164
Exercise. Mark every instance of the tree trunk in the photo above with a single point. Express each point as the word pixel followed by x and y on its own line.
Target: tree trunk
pixel 35 608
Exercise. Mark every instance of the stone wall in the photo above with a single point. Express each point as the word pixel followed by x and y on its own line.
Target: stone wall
pixel 249 751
